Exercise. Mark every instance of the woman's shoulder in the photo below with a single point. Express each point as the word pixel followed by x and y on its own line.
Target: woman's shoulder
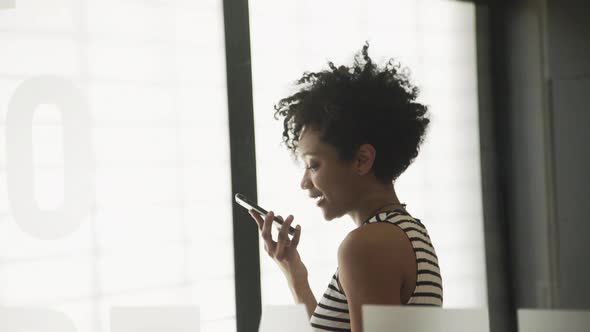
pixel 375 240
pixel 378 254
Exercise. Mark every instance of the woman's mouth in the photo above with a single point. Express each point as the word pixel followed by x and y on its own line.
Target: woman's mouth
pixel 319 200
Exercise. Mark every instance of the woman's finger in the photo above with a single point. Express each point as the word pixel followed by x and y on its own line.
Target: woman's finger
pixel 266 232
pixel 283 241
pixel 257 218
pixel 284 231
pixel 295 240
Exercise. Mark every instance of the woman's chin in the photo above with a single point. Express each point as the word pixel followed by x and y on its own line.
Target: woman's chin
pixel 328 213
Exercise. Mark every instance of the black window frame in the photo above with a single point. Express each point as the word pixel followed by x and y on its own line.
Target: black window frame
pixel 243 163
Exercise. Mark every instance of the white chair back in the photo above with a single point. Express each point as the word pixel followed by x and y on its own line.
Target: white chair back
pixel 34 319
pixel 544 320
pixel 284 318
pixel 424 319
pixel 155 318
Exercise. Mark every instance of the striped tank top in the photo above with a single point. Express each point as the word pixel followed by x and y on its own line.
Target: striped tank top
pixel 331 313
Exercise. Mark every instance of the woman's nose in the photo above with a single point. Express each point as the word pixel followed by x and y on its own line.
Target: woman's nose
pixel 305 181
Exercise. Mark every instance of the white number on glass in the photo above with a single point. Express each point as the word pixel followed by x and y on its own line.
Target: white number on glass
pixel 78 171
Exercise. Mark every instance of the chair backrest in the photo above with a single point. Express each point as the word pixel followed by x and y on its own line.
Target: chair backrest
pixel 284 318
pixel 545 320
pixel 183 318
pixel 35 319
pixel 424 319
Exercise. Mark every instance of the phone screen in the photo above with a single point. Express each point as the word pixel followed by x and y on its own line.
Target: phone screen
pixel 250 205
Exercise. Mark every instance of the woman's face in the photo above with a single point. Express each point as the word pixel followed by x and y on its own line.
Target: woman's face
pixel 326 176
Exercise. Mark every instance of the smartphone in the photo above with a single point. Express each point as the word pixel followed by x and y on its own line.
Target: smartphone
pixel 250 205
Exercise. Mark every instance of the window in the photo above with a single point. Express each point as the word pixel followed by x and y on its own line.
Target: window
pixel 436 40
pixel 150 76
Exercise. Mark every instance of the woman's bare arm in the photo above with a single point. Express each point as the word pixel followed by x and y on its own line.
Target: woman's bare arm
pixel 302 294
pixel 372 263
pixel 284 253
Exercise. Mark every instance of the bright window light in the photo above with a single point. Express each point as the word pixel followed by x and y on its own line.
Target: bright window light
pixel 436 40
pixel 156 227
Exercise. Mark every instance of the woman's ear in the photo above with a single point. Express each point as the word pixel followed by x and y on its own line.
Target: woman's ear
pixel 365 157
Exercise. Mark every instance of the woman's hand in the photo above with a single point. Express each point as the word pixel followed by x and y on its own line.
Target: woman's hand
pixel 283 251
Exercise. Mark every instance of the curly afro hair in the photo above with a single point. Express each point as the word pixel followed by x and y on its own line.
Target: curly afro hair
pixel 351 106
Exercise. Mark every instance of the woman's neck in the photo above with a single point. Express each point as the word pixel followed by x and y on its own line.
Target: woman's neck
pixel 382 198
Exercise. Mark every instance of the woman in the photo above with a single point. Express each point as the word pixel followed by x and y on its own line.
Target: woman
pixel 357 129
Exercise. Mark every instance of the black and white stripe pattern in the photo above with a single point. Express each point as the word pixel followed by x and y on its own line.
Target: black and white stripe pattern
pixel 331 314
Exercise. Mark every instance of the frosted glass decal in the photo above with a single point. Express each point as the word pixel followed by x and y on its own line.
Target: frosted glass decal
pixel 7 4
pixel 77 169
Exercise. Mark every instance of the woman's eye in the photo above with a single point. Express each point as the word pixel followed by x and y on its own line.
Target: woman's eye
pixel 312 167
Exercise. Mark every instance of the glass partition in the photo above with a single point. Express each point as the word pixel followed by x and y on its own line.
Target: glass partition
pixel 114 158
